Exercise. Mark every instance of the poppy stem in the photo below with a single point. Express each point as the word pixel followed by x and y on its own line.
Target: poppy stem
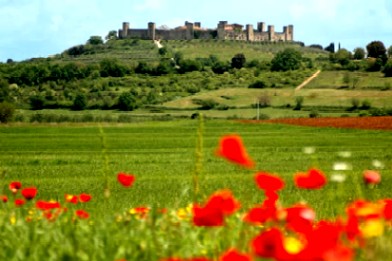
pixel 105 160
pixel 199 159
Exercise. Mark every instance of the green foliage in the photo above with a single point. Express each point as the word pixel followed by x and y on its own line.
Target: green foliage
pixel 299 100
pixel 376 49
pixel 289 59
pixel 37 102
pixel 7 111
pixel 258 84
pixel 127 101
pixel 187 65
pixel 4 90
pixel 95 40
pixel 238 61
pixel 111 35
pixel 206 104
pixel 374 64
pixel 388 69
pixel 220 67
pixel 342 57
pixel 112 68
pixel 80 102
pixel 143 68
pixel 359 53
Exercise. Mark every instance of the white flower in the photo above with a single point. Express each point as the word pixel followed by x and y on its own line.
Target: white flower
pixel 309 150
pixel 342 166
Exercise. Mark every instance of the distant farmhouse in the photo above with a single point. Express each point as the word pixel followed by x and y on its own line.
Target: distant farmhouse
pixel 224 31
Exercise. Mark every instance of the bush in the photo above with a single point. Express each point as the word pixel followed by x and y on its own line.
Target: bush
pixel 314 114
pixel 289 59
pixel 258 84
pixel 298 103
pixel 80 102
pixel 7 111
pixel 207 104
pixel 127 102
pixel 388 69
pixel 366 105
pixel 37 102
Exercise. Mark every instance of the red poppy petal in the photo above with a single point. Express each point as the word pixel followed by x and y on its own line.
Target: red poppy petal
pixel 232 149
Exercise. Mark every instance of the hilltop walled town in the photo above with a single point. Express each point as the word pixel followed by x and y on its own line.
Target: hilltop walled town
pixel 224 31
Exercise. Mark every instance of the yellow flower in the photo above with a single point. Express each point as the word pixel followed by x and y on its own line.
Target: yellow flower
pixel 293 245
pixel 372 228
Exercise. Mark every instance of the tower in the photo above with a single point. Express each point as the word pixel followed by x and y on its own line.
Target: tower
pixel 151 31
pixel 271 33
pixel 250 34
pixel 222 30
pixel 261 27
pixel 290 33
pixel 125 28
pixel 189 30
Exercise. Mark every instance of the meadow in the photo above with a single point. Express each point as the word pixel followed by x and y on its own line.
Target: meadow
pixel 62 159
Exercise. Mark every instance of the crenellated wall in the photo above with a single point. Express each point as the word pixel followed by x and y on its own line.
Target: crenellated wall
pixel 224 31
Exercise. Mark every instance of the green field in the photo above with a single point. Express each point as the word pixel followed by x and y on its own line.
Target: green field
pixel 72 159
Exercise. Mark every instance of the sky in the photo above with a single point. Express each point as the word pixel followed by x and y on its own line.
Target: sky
pixel 40 28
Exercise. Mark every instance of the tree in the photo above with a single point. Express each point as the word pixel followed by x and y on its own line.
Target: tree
pixel 7 111
pixel 111 35
pixel 376 49
pixel 113 68
pixel 342 56
pixel 289 59
pixel 4 90
pixel 390 51
pixel 95 40
pixel 238 61
pixel 80 102
pixel 37 102
pixel 127 101
pixel 359 53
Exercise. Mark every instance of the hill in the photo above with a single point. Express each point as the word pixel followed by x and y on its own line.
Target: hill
pixel 180 78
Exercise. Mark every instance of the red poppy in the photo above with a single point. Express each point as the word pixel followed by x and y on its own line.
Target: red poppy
pixel 125 179
pixel 371 177
pixel 232 149
pixel 234 255
pixel 387 209
pixel 207 216
pixel 84 197
pixel 267 181
pixel 47 205
pixel 260 215
pixel 314 179
pixel 19 202
pixel 82 214
pixel 71 198
pixel 15 186
pixel 29 193
pixel 269 244
pixel 223 200
pixel 300 218
pixel 4 198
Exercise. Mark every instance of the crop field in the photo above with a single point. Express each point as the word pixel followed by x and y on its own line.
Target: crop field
pixel 168 159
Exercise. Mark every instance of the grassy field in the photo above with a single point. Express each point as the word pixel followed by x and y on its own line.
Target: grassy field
pixel 60 159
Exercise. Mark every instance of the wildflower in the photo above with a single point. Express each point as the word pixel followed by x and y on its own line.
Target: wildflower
pixel 19 202
pixel 232 149
pixel 268 181
pixel 29 193
pixel 300 218
pixel 15 186
pixel 372 228
pixel 140 212
pixel 82 214
pixel 269 244
pixel 47 205
pixel 125 179
pixel 4 198
pixel 71 198
pixel 234 255
pixel 342 166
pixel 84 197
pixel 314 179
pixel 371 177
pixel 219 204
pixel 260 214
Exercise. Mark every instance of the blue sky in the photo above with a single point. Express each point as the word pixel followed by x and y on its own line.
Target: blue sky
pixel 38 28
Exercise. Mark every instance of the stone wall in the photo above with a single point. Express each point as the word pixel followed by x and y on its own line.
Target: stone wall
pixel 224 31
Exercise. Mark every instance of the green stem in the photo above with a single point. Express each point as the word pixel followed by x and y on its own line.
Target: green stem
pixel 199 159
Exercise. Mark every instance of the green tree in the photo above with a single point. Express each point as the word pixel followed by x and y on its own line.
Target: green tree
pixel 189 66
pixel 7 111
pixel 80 102
pixel 238 61
pixel 342 56
pixel 127 101
pixel 376 49
pixel 4 90
pixel 289 59
pixel 95 40
pixel 359 53
pixel 113 68
pixel 390 51
pixel 111 35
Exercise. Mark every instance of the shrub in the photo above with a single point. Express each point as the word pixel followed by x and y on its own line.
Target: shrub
pixel 388 69
pixel 366 105
pixel 127 102
pixel 298 103
pixel 7 111
pixel 258 84
pixel 80 102
pixel 314 114
pixel 289 59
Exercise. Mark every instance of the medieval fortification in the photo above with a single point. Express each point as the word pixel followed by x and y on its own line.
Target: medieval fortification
pixel 224 31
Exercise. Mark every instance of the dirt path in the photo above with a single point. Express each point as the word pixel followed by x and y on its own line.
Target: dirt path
pixel 299 87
